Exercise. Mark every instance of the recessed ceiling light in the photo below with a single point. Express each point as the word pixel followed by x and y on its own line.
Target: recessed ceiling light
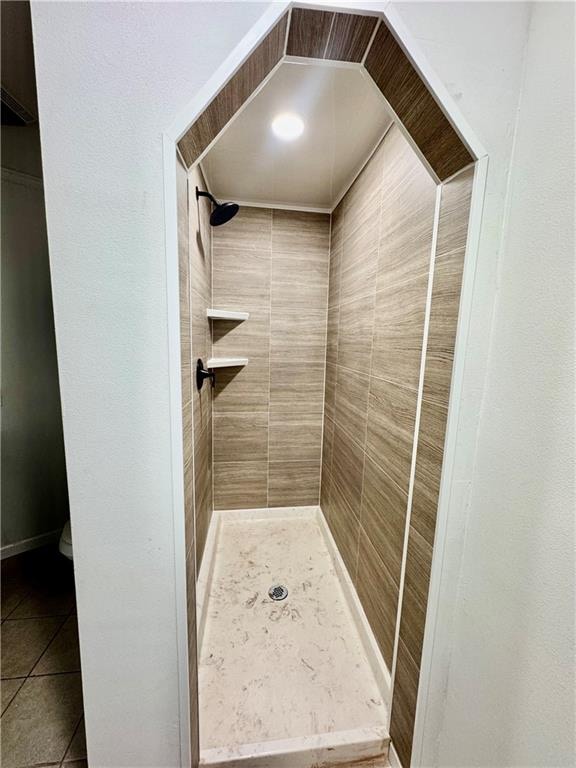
pixel 288 126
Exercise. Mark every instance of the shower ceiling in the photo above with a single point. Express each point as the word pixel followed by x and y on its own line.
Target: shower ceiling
pixel 344 118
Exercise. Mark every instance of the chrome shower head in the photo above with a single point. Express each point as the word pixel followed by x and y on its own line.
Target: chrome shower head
pixel 222 212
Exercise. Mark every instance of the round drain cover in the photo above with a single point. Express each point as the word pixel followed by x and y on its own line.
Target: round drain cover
pixel 278 592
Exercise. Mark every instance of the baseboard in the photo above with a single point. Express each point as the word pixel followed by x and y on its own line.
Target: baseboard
pixel 9 550
pixel 371 648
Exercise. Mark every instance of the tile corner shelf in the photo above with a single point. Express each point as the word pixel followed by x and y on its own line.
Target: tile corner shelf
pixel 226 314
pixel 226 362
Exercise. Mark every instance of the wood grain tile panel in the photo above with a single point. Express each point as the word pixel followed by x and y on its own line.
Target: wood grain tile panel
pixel 291 393
pixel 240 485
pixel 378 593
pixel 349 37
pixel 446 289
pixel 415 599
pixel 236 91
pixel 325 487
pixel 200 236
pixel 330 391
pixel 404 703
pixel 359 262
pixel 298 336
pixel 250 229
pixel 332 334
pixel 407 213
pixel 351 406
pixel 429 457
pixel 299 281
pixel 334 275
pixel 355 326
pixel 250 338
pixel 410 98
pixel 202 488
pixel 383 516
pixel 347 469
pixel 309 32
pixel 240 279
pixel 345 528
pixel 302 233
pixel 295 436
pixel 201 399
pixel 399 331
pixel 327 443
pixel 390 434
pixel 243 389
pixel 293 483
pixel 240 437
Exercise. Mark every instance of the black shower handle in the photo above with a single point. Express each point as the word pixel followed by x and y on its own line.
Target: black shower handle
pixel 202 373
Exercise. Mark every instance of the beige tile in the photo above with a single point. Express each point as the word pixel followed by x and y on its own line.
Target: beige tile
pixel 407 223
pixel 378 593
pixel 250 338
pixel 359 262
pixel 299 336
pixel 334 273
pixel 201 345
pixel 383 516
pixel 295 390
pixel 24 641
pixel 9 689
pixel 250 229
pixel 302 233
pixel 200 237
pixel 355 328
pixel 240 278
pixel 327 443
pixel 240 485
pixel 40 722
pixel 345 529
pixel 63 653
pixel 325 490
pixel 299 281
pixel 362 202
pixel 398 331
pixel 347 469
pixel 390 433
pixel 243 389
pixel 77 748
pixel 295 437
pixel 415 594
pixel 293 483
pixel 240 437
pixel 332 334
pixel 188 485
pixel 202 488
pixel 452 234
pixel 404 703
pixel 428 473
pixel 352 403
pixel 330 391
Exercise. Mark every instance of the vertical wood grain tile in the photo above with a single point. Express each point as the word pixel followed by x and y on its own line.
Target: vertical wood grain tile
pixel 347 469
pixel 352 403
pixel 410 98
pixel 404 703
pixel 309 31
pixel 415 595
pixel 294 393
pixel 345 528
pixel 378 593
pixel 350 36
pixel 240 437
pixel 355 328
pixel 390 434
pixel 295 436
pixel 234 93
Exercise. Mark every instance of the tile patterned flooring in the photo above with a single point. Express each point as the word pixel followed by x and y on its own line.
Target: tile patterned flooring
pixel 42 712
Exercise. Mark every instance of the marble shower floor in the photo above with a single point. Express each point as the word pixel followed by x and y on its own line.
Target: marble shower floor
pixel 272 671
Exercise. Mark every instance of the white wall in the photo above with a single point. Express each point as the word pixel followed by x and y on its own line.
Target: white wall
pixel 509 698
pixel 106 89
pixel 111 77
pixel 34 493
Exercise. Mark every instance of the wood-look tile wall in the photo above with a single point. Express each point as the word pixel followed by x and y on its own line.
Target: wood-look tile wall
pixel 379 267
pixel 268 415
pixel 188 445
pixel 452 233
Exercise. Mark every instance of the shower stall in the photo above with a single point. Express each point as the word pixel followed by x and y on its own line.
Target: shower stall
pixel 318 318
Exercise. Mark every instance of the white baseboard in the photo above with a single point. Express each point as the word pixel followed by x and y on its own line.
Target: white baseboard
pixel 9 550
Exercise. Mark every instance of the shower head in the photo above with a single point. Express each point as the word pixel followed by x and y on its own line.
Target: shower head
pixel 222 212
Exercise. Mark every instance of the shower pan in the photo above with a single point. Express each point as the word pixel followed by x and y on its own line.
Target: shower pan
pixel 326 300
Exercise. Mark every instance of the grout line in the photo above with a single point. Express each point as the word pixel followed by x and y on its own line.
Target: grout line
pixel 270 351
pixel 329 35
pixel 70 743
pixel 372 38
pixel 416 432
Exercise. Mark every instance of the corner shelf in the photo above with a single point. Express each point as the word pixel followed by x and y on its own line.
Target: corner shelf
pixel 226 314
pixel 226 362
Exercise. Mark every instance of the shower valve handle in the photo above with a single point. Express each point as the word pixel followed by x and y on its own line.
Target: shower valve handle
pixel 202 373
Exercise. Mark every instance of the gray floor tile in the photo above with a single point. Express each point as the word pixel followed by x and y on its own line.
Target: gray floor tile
pixel 40 722
pixel 77 749
pixel 9 689
pixel 63 653
pixel 23 642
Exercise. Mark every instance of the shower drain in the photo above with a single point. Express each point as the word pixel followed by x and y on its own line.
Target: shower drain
pixel 278 592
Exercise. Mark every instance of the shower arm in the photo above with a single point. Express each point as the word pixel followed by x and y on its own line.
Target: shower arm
pixel 200 193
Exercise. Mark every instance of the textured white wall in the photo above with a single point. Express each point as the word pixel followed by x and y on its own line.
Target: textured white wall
pixel 509 698
pixel 111 77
